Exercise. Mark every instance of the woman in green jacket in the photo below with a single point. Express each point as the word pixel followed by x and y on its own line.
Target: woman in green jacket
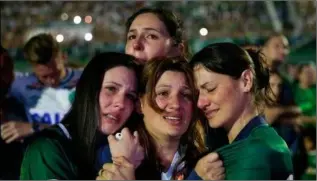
pixel 105 100
pixel 232 84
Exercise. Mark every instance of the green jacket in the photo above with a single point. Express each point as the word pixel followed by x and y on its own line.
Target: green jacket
pixel 261 155
pixel 49 156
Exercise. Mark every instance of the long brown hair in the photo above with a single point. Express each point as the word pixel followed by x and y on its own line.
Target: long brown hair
pixel 192 142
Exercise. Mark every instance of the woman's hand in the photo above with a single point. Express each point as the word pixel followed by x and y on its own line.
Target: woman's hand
pixel 210 167
pixel 121 169
pixel 128 146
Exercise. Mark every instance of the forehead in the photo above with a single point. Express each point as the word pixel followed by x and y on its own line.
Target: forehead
pixel 148 20
pixel 203 75
pixel 279 40
pixel 120 74
pixel 169 77
pixel 42 68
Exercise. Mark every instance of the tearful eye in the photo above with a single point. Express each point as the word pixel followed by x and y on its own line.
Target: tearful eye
pixel 162 94
pixel 152 36
pixel 130 37
pixel 211 90
pixel 110 89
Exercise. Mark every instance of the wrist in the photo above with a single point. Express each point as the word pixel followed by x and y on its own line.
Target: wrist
pixel 36 127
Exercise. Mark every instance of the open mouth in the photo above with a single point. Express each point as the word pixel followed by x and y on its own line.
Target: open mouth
pixel 173 120
pixel 110 117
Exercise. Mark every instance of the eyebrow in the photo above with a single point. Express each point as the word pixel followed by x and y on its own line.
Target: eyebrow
pixel 119 85
pixel 168 86
pixel 205 84
pixel 146 29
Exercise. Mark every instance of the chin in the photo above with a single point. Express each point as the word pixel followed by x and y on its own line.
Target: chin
pixel 214 123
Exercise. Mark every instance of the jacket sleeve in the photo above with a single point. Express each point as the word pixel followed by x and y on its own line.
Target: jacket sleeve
pixel 46 159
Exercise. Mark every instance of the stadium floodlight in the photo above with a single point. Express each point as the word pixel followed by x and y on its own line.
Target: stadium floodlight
pixel 64 16
pixel 59 38
pixel 77 19
pixel 88 19
pixel 203 31
pixel 88 36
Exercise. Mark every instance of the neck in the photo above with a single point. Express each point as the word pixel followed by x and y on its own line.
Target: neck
pixel 244 118
pixel 62 74
pixel 166 149
pixel 303 85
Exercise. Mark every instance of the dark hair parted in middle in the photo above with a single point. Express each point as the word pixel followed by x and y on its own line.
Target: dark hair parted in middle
pixel 192 139
pixel 83 118
pixel 230 59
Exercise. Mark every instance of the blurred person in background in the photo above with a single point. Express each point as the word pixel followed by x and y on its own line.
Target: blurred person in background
pixel 305 92
pixel 309 135
pixel 11 152
pixel 44 92
pixel 275 49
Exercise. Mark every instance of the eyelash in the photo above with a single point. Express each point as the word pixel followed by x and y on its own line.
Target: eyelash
pixel 210 90
pixel 150 36
pixel 110 88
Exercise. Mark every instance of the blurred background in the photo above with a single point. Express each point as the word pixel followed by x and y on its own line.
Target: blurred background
pixel 86 28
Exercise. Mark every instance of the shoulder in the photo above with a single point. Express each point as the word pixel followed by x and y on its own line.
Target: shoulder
pixel 48 156
pixel 272 149
pixel 75 72
pixel 49 139
pixel 24 79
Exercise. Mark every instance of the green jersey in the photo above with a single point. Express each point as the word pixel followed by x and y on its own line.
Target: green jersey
pixel 49 156
pixel 261 154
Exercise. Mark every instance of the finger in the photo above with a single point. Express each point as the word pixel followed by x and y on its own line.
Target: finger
pixel 12 138
pixel 211 157
pixel 126 133
pixel 6 125
pixel 219 171
pixel 111 139
pixel 216 164
pixel 220 177
pixel 100 178
pixel 107 174
pixel 7 133
pixel 136 136
pixel 122 161
pixel 107 166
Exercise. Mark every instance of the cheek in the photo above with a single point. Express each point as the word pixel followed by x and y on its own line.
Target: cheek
pixel 104 101
pixel 127 110
pixel 156 50
pixel 188 109
pixel 161 103
pixel 128 48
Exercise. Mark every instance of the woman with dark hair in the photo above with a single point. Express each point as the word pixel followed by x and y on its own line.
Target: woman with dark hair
pixel 170 133
pixel 155 32
pixel 232 85
pixel 104 102
pixel 11 152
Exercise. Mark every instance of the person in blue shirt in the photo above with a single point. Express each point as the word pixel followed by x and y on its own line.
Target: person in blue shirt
pixel 44 92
